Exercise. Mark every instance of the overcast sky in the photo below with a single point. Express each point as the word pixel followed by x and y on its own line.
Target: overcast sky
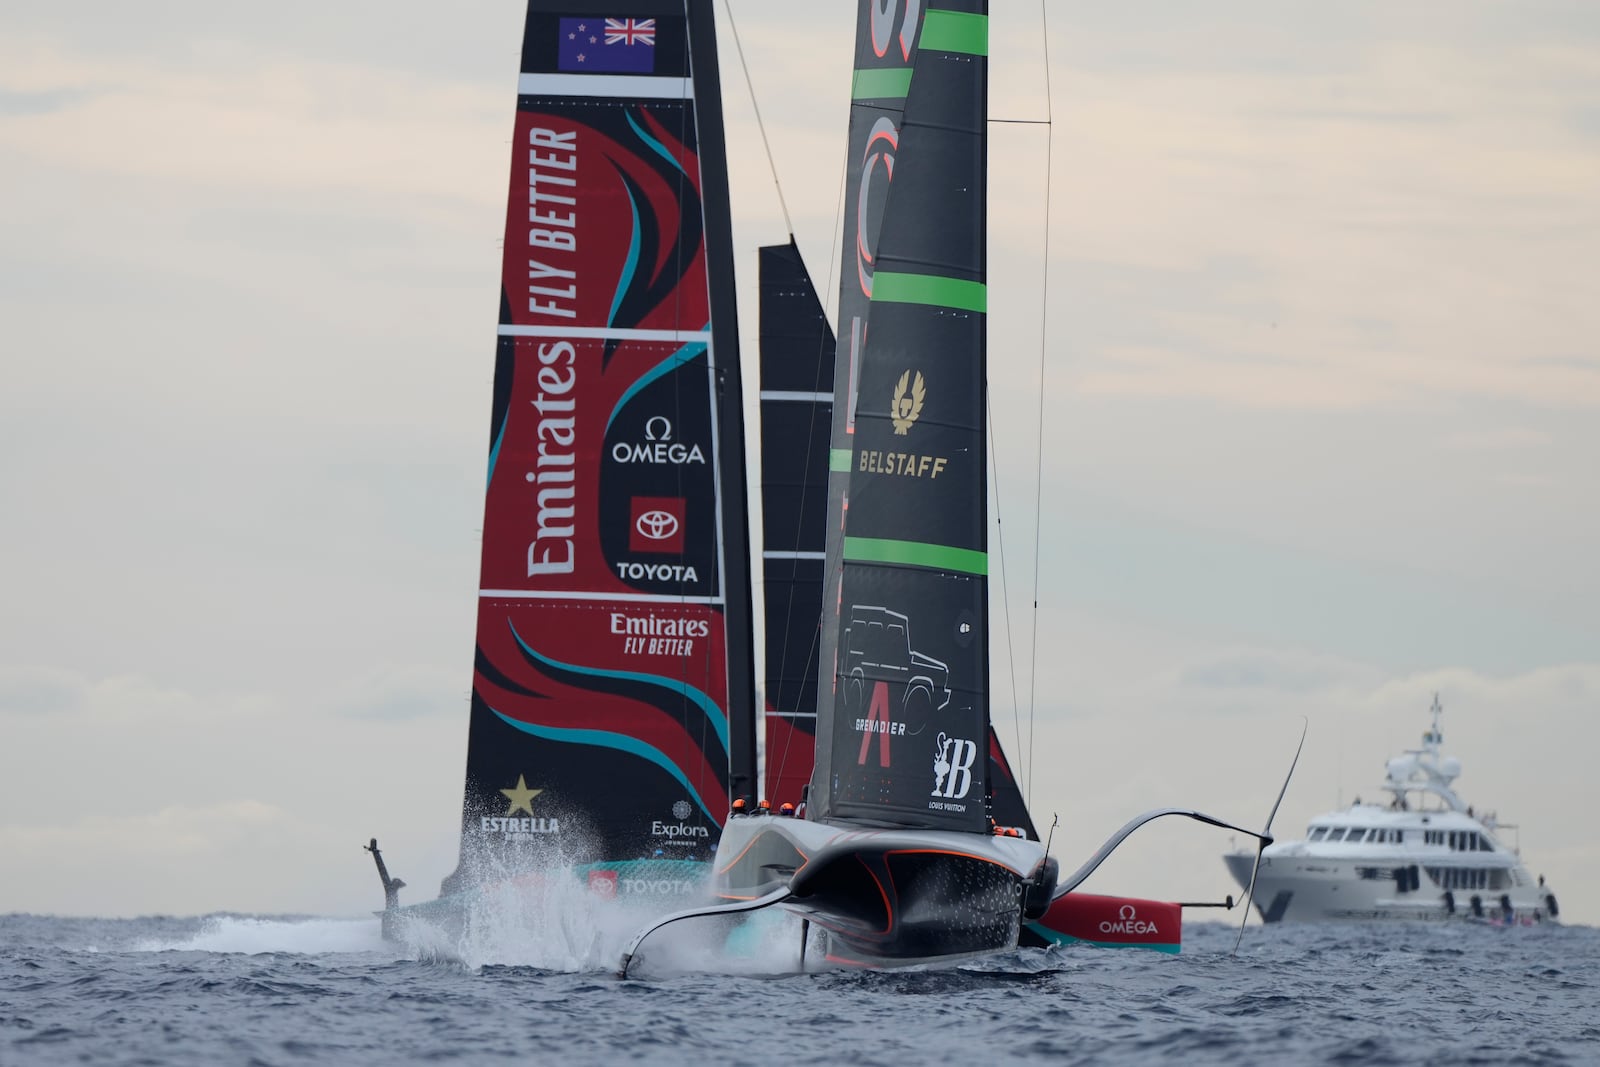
pixel 1321 378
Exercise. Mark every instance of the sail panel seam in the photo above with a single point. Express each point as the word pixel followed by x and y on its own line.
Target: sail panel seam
pixel 796 395
pixel 603 333
pixel 578 594
pixel 620 86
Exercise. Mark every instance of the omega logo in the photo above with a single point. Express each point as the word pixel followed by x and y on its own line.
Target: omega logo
pixel 1128 922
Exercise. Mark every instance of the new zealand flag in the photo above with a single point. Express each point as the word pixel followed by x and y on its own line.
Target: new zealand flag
pixel 607 46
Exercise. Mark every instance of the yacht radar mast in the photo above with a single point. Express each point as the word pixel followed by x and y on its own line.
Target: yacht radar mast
pixel 1423 770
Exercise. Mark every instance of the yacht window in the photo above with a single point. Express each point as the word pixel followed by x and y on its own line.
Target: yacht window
pixel 1355 835
pixel 1336 834
pixel 1318 833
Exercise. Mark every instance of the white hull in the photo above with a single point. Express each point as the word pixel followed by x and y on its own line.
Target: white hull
pixel 1318 889
pixel 1426 854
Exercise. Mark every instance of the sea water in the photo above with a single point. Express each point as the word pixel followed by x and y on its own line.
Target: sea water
pixel 235 989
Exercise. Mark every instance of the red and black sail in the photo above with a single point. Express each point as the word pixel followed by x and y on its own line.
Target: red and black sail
pixel 612 696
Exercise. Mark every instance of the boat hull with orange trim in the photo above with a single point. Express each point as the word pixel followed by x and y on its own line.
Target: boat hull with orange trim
pixel 884 896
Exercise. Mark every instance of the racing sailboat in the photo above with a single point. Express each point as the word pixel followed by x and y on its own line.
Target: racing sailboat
pixel 613 716
pixel 896 855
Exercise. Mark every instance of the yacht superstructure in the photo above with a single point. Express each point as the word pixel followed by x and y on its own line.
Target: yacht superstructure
pixel 1426 854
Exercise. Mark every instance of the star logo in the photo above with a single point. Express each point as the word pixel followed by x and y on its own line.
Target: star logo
pixel 521 797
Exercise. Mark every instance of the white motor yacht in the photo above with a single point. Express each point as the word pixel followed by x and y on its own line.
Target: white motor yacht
pixel 1425 854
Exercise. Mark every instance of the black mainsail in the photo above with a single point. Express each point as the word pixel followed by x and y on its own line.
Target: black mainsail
pixel 909 724
pixel 886 42
pixel 797 353
pixel 612 700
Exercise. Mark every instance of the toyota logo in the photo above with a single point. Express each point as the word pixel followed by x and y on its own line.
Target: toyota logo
pixel 1127 914
pixel 657 525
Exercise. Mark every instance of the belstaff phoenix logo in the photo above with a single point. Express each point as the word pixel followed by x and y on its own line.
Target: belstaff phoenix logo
pixel 903 410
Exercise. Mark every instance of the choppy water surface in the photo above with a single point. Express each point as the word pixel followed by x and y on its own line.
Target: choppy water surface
pixel 235 989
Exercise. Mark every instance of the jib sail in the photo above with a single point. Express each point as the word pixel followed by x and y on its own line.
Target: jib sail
pixel 612 696
pixel 796 406
pixel 909 722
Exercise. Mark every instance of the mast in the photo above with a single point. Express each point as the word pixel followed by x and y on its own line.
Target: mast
pixel 886 37
pixel 739 621
pixel 613 696
pixel 908 723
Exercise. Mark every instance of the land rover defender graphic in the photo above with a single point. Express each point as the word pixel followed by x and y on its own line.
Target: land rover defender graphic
pixel 877 648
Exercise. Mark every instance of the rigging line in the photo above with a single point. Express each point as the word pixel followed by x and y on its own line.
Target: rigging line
pixel 1021 122
pixel 1005 586
pixel 1044 335
pixel 686 116
pixel 760 125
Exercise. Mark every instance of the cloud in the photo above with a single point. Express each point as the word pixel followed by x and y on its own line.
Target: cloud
pixel 406 691
pixel 34 690
pixel 22 103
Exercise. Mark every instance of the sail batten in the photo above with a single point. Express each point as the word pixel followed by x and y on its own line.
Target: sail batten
pixel 915 554
pixel 939 290
pixel 881 84
pixel 966 32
